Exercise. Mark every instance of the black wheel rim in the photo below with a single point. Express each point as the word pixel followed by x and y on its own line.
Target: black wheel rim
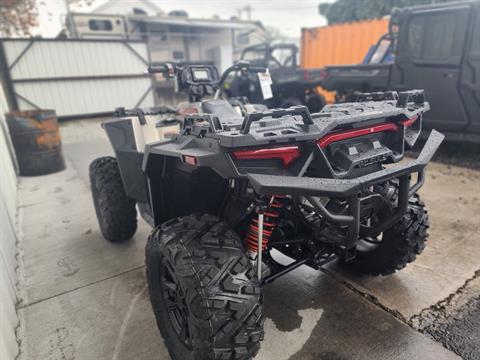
pixel 175 303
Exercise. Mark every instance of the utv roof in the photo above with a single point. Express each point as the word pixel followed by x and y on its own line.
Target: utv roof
pixel 439 6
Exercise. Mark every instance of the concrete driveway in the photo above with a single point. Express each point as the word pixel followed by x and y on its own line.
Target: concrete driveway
pixel 85 298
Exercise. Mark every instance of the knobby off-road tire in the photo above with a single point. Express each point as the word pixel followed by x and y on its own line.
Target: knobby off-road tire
pixel 116 212
pixel 400 244
pixel 216 287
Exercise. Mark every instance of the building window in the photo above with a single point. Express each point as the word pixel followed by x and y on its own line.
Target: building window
pixel 243 39
pixel 178 55
pixel 100 25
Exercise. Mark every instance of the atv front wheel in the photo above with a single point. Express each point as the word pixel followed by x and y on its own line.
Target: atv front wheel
pixel 116 212
pixel 398 245
pixel 203 290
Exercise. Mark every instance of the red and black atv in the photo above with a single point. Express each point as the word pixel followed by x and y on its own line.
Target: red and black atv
pixel 234 186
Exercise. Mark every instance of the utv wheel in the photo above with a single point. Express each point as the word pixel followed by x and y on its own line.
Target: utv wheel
pixel 116 212
pixel 289 102
pixel 204 292
pixel 397 246
pixel 316 102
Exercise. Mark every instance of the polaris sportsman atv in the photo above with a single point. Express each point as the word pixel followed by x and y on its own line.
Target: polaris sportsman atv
pixel 234 188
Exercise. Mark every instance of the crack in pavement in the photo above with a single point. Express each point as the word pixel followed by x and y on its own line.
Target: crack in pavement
pixel 434 320
pixel 455 321
pixel 81 287
pixel 443 307
pixel 372 299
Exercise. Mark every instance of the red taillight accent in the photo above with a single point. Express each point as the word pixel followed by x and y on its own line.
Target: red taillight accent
pixel 190 160
pixel 287 154
pixel 409 122
pixel 189 110
pixel 330 138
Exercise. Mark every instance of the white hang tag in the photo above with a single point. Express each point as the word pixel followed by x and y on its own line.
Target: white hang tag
pixel 175 83
pixel 265 85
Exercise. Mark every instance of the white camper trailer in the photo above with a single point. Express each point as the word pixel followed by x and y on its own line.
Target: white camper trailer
pixel 174 37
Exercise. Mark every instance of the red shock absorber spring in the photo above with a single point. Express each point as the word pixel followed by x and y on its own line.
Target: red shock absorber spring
pixel 270 218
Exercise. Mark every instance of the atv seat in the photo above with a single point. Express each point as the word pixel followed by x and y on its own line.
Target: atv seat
pixel 222 109
pixel 152 128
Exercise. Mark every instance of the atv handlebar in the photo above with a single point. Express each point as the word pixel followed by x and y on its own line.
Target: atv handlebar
pixel 167 69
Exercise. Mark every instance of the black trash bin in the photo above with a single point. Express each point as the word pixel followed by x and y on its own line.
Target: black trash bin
pixel 36 139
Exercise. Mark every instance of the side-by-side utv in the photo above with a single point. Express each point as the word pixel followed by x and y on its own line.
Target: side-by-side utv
pixel 432 47
pixel 233 187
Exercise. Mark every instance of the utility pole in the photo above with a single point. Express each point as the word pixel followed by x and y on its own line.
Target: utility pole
pixel 248 10
pixel 69 18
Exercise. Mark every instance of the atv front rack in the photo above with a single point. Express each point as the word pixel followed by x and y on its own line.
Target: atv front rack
pixel 350 190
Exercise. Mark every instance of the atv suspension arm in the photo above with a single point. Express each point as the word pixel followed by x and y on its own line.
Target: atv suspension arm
pixel 317 260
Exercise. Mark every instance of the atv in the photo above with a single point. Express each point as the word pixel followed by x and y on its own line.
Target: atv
pixel 238 186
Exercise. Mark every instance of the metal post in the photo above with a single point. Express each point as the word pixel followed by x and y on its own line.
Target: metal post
pixel 260 243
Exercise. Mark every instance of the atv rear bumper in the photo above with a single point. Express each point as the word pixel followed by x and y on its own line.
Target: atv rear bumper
pixel 351 189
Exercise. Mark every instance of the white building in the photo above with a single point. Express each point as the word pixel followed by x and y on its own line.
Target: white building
pixel 174 37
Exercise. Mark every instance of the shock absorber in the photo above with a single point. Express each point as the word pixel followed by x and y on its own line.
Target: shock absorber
pixel 270 218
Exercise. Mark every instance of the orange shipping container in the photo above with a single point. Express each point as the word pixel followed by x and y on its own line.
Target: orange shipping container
pixel 339 44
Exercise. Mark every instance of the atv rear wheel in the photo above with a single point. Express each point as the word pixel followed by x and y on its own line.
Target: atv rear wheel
pixel 398 245
pixel 203 289
pixel 116 212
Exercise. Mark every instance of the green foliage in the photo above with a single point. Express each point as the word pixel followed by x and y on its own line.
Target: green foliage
pixel 353 10
pixel 17 17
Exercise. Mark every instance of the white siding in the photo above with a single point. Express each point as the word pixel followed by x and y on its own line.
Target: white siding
pixel 8 209
pixel 47 59
pixel 62 63
pixel 84 96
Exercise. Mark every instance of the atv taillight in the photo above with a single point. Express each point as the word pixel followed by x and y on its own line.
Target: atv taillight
pixel 344 135
pixel 188 110
pixel 349 134
pixel 409 122
pixel 190 160
pixel 287 154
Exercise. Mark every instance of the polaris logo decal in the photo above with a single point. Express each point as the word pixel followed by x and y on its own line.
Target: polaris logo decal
pixel 371 161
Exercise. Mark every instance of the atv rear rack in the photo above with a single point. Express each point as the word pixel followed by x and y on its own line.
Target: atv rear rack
pixel 275 114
